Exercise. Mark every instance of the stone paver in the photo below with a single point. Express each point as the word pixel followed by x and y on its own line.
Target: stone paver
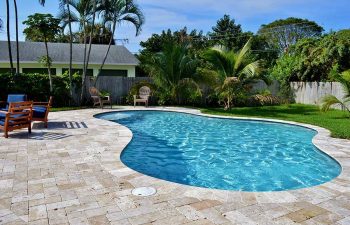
pixel 71 173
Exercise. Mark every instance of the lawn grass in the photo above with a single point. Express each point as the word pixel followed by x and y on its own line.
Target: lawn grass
pixel 66 108
pixel 337 121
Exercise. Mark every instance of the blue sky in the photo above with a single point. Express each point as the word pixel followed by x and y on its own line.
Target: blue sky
pixel 203 14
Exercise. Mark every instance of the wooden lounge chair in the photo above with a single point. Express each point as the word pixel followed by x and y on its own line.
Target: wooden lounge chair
pixel 143 96
pixel 41 111
pixel 98 99
pixel 18 116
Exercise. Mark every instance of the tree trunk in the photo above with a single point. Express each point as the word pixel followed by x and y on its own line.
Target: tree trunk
pixel 106 55
pixel 8 34
pixel 84 68
pixel 70 51
pixel 48 65
pixel 89 52
pixel 17 45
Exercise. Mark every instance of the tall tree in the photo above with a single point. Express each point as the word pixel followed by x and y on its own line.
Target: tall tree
pixel 44 28
pixel 87 55
pixel 228 34
pixel 281 34
pixel 65 4
pixel 115 12
pixel 8 34
pixel 81 13
pixel 17 43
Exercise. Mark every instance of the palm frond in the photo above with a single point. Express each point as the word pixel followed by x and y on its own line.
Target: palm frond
pixel 330 100
pixel 242 55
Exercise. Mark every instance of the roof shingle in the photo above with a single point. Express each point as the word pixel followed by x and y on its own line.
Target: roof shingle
pixel 59 53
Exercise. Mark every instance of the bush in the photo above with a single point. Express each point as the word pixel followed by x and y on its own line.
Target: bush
pixel 37 88
pixel 188 92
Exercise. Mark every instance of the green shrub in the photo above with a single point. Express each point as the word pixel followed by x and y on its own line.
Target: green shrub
pixel 188 92
pixel 37 88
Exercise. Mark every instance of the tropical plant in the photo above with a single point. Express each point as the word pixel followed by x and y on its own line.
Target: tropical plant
pixel 87 58
pixel 44 28
pixel 170 68
pixel 82 13
pixel 17 43
pixel 234 71
pixel 331 100
pixel 8 34
pixel 65 4
pixel 115 12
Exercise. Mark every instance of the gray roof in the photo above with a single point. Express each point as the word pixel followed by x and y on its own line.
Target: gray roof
pixel 59 53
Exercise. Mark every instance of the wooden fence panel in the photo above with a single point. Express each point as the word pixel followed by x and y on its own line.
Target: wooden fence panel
pixel 313 92
pixel 117 86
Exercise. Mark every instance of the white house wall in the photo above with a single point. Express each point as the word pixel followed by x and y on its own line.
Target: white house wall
pixel 60 67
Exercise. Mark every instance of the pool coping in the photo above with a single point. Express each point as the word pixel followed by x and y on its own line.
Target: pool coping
pixel 322 140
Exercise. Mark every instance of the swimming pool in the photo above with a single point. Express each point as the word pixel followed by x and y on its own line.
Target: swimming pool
pixel 228 154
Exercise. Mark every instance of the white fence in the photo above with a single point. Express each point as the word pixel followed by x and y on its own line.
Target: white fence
pixel 313 92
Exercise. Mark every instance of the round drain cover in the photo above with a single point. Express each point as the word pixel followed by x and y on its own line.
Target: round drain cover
pixel 144 191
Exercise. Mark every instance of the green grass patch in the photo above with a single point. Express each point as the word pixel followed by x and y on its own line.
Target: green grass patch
pixel 337 121
pixel 58 109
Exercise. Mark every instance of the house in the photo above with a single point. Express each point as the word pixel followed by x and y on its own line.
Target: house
pixel 120 61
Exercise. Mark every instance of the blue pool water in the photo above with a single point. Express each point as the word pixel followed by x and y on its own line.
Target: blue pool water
pixel 224 154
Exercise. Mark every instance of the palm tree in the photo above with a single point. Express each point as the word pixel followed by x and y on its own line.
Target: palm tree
pixel 66 4
pixel 171 68
pixel 81 13
pixel 42 2
pixel 17 45
pixel 8 34
pixel 115 12
pixel 233 70
pixel 331 100
pixel 86 63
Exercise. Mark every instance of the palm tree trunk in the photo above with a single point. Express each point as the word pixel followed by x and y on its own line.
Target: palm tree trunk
pixel 70 51
pixel 8 34
pixel 89 51
pixel 48 65
pixel 109 47
pixel 17 45
pixel 84 63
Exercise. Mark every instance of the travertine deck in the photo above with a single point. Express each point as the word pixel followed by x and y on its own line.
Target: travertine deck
pixel 71 174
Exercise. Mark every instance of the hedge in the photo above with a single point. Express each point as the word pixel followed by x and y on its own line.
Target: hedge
pixel 36 87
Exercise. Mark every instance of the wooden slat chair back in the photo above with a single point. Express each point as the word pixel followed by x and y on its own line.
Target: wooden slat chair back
pixel 143 96
pixel 97 99
pixel 18 116
pixel 41 111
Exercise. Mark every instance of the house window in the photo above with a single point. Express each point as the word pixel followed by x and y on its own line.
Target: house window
pixel 39 70
pixel 89 72
pixel 114 73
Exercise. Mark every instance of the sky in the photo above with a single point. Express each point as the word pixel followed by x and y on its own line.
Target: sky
pixel 203 14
